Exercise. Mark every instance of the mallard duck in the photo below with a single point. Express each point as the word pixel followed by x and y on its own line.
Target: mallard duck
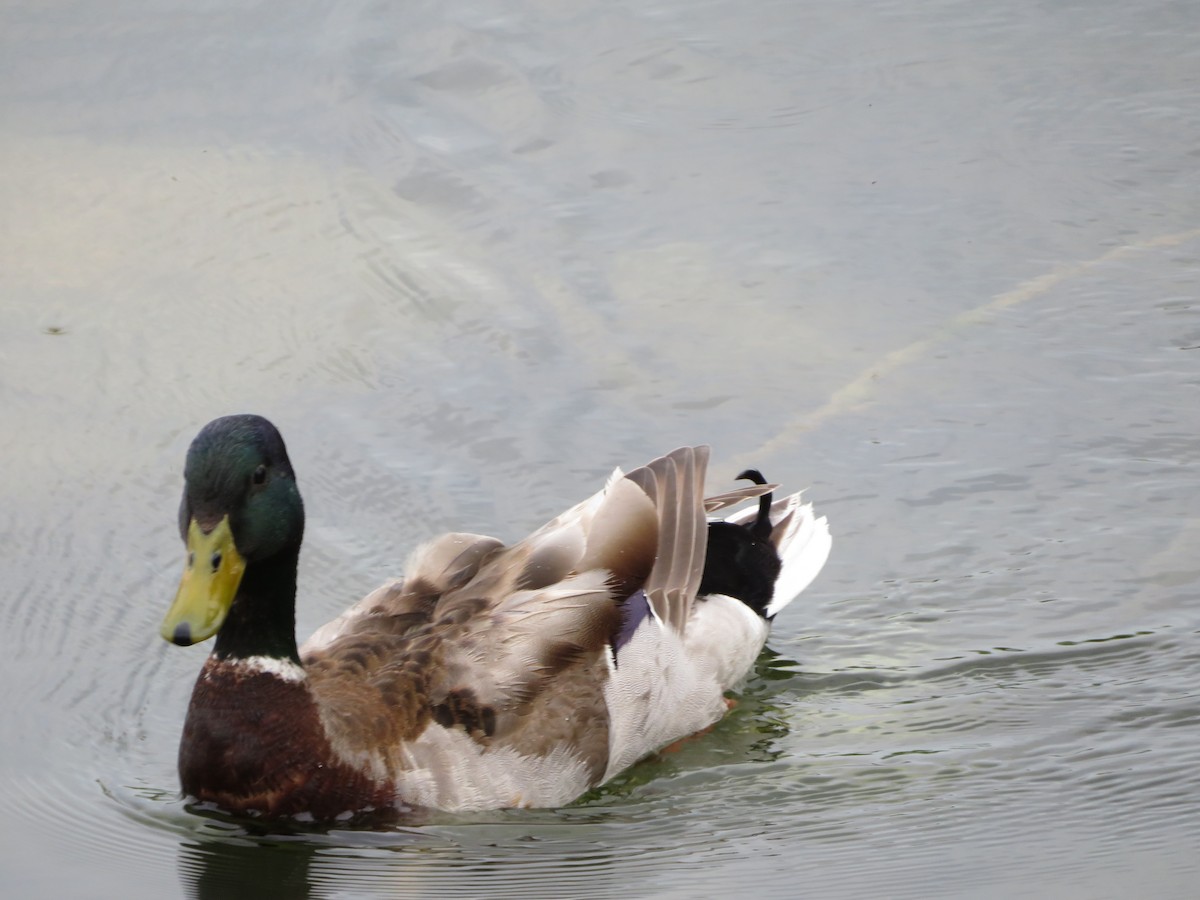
pixel 490 675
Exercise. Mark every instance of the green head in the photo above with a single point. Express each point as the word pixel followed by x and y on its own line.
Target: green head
pixel 240 508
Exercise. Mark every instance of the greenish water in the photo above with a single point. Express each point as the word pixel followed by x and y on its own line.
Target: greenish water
pixel 937 262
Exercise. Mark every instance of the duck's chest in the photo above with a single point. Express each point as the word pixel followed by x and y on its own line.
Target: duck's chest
pixel 253 742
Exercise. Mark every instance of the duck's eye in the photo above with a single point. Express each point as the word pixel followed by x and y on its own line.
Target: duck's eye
pixel 260 475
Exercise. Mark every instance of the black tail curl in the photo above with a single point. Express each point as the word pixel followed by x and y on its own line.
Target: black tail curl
pixel 760 527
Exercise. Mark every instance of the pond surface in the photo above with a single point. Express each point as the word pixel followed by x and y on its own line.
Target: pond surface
pixel 939 262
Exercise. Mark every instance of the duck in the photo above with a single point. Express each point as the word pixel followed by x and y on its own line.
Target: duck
pixel 489 675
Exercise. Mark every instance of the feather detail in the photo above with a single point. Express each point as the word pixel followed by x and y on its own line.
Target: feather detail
pixel 718 502
pixel 675 483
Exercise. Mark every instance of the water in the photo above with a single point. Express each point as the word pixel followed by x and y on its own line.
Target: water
pixel 937 261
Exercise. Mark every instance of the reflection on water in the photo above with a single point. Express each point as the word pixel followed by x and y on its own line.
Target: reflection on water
pixel 220 869
pixel 937 261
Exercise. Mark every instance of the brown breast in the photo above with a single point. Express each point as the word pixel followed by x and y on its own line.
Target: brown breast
pixel 253 743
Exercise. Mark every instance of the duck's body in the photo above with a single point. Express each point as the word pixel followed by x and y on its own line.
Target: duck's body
pixel 491 675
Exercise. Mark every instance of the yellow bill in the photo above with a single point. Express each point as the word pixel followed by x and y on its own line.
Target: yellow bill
pixel 210 582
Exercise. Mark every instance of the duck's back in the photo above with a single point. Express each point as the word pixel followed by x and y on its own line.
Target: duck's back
pixel 526 675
